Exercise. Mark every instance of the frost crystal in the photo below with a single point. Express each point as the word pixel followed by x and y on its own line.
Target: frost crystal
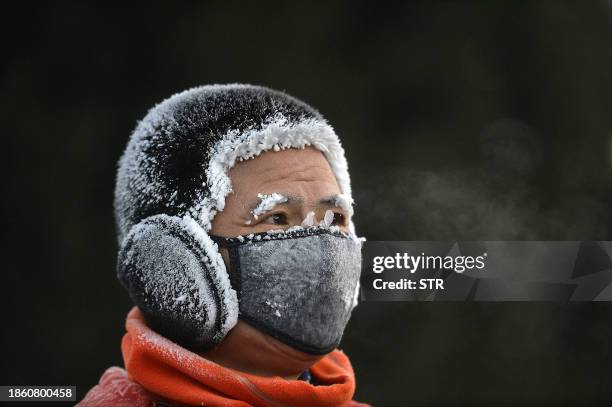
pixel 328 219
pixel 309 220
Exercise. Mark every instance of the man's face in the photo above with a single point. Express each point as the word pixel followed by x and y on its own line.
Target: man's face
pixel 305 178
pixel 302 176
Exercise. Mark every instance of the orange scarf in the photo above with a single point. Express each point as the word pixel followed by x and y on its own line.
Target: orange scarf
pixel 175 373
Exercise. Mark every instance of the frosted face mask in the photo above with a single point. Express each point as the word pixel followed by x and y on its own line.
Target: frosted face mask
pixel 298 287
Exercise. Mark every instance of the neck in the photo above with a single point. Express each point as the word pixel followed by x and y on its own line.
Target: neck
pixel 250 351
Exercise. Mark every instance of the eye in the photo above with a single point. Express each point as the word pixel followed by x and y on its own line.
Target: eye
pixel 276 219
pixel 339 219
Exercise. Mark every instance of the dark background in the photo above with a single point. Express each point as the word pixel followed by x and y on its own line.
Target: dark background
pixel 461 120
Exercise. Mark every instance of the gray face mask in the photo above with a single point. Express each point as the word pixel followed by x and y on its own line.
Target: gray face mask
pixel 298 287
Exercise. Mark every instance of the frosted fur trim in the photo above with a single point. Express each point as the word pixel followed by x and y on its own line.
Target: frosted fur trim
pixel 220 277
pixel 328 219
pixel 279 134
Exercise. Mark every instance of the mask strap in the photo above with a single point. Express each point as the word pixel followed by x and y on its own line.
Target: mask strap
pixel 234 261
pixel 234 272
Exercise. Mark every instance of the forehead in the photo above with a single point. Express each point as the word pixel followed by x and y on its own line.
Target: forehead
pixel 288 170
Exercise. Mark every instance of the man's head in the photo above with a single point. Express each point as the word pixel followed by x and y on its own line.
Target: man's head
pixel 246 162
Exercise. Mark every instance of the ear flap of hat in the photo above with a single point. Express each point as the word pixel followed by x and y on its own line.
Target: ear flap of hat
pixel 171 277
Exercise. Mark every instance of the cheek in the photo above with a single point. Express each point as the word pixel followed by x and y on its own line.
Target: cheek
pixel 221 224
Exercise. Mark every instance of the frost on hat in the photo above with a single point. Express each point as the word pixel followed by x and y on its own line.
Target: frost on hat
pixel 177 161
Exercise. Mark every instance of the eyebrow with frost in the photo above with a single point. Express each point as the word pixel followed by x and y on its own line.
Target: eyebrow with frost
pixel 266 202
